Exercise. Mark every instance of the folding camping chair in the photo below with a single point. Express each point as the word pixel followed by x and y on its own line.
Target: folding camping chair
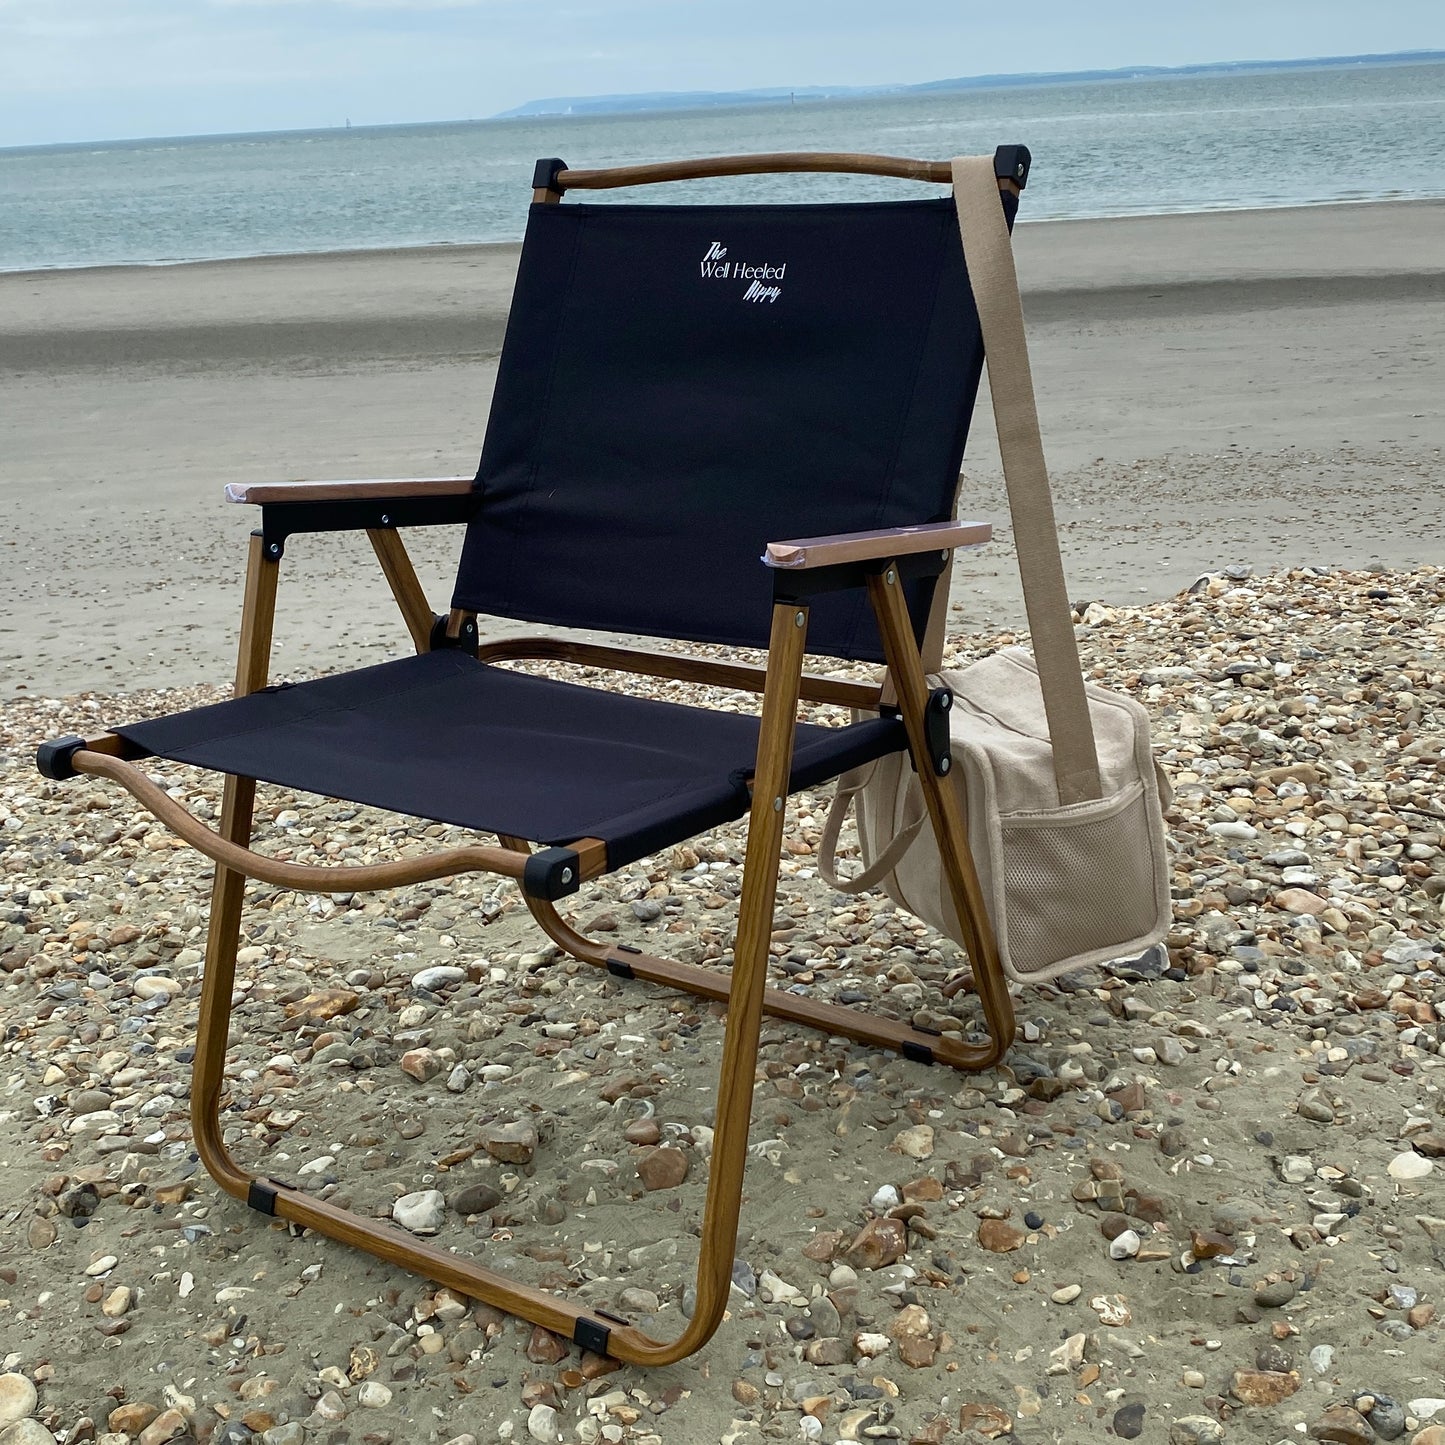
pixel 683 389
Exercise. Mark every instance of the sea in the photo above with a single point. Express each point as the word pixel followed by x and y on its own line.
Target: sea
pixel 1212 141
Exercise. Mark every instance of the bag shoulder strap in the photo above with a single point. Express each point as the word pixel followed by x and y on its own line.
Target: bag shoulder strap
pixel 988 253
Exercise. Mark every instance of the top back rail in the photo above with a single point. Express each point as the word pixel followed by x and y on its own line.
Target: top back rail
pixel 552 178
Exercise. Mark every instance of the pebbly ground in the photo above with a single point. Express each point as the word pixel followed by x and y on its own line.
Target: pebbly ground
pixel 1199 1202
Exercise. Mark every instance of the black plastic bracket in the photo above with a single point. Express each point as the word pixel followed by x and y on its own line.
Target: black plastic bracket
pixel 544 174
pixel 1011 163
pixel 619 969
pixel 466 639
pixel 279 520
pixel 261 1196
pixel 552 873
pixel 916 1053
pixel 53 758
pixel 935 725
pixel 591 1335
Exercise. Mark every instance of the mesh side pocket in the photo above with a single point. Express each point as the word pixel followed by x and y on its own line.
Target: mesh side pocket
pixel 1078 880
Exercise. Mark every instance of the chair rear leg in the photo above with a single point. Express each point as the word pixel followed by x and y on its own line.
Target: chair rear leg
pixel 945 814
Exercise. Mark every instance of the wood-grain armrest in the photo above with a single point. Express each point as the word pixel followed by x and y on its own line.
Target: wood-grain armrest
pixel 269 493
pixel 886 542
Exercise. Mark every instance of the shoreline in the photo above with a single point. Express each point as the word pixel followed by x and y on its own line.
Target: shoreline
pixel 451 248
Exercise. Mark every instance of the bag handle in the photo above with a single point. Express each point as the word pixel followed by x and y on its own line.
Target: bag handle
pixel 988 252
pixel 849 786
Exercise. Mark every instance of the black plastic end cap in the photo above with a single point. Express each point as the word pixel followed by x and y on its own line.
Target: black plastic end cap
pixel 53 758
pixel 1011 163
pixel 917 1053
pixel 544 174
pixel 552 873
pixel 590 1335
pixel 261 1196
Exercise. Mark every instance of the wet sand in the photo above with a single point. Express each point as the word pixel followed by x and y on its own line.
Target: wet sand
pixel 1244 388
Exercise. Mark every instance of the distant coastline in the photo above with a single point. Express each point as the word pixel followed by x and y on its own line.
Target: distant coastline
pixel 716 99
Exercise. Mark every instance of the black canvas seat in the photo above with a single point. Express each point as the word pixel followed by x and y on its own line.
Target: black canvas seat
pixel 445 737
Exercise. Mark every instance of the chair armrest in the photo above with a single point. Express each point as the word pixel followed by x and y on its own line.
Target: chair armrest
pixel 805 552
pixel 269 493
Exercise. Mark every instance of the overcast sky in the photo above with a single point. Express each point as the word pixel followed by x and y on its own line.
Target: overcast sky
pixel 105 69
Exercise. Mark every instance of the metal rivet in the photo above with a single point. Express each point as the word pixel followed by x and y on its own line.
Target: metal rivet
pixel 274 549
pixel 890 576
pixel 385 520
pixel 777 805
pixel 945 763
pixel 799 619
pixel 566 875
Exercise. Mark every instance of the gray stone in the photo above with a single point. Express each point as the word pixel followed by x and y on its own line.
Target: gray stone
pixel 17 1398
pixel 1195 1430
pixel 26 1432
pixel 475 1199
pixel 421 1212
pixel 439 976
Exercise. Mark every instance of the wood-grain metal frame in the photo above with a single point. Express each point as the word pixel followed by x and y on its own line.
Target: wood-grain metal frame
pixel 782 684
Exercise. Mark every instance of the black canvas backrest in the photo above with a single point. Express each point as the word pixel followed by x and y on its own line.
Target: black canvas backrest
pixel 681 385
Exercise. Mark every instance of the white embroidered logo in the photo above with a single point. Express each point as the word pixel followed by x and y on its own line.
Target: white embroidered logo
pixel 716 267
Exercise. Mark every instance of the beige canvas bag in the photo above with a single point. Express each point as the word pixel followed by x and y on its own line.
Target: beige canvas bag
pixel 1061 795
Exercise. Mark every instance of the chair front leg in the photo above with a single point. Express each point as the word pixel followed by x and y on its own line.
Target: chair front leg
pixel 253 664
pixel 749 976
pixel 905 669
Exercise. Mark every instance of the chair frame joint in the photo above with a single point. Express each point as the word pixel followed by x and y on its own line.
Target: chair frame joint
pixel 552 873
pixel 466 639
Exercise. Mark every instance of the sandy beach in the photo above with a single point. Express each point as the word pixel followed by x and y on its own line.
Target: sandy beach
pixel 1200 1202
pixel 1247 388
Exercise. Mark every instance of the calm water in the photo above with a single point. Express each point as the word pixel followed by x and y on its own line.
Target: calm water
pixel 1116 148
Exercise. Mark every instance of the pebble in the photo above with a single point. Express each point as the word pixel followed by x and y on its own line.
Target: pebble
pixel 17 1398
pixel 999 1237
pixel 1195 1430
pixel 168 1425
pixel 438 977
pixel 422 1212
pixel 514 1143
pixel 1342 1425
pixel 1409 1165
pixel 26 1432
pixel 475 1199
pixel 542 1423
pixel 662 1168
pixel 1125 1245
pixel 373 1395
pixel 1129 1421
